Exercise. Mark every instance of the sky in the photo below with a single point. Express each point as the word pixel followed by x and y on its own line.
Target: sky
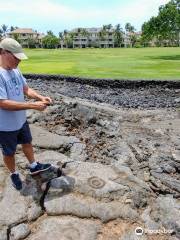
pixel 58 15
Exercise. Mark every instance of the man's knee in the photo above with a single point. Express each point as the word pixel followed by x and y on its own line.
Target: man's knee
pixel 26 145
pixel 10 156
pixel 8 151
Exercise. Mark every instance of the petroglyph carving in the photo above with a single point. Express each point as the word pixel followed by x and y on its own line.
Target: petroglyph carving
pixel 96 182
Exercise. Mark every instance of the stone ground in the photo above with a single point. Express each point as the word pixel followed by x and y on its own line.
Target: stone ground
pixel 121 170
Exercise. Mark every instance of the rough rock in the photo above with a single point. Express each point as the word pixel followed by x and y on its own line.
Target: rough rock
pixel 166 212
pixel 120 164
pixel 66 228
pixel 69 204
pixel 132 236
pixel 19 232
pixel 171 182
pixel 44 139
pixel 34 211
pixel 101 181
pixel 14 207
pixel 3 233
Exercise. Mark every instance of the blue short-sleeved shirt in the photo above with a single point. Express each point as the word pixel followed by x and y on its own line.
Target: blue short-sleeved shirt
pixel 11 87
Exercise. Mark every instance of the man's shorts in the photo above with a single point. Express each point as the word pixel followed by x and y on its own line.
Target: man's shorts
pixel 9 140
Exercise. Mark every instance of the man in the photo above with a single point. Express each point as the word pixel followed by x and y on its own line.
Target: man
pixel 14 128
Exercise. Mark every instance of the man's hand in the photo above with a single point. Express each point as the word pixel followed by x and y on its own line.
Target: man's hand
pixel 46 100
pixel 18 106
pixel 39 105
pixel 35 95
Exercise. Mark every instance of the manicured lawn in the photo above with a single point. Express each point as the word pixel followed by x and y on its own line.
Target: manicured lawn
pixel 139 63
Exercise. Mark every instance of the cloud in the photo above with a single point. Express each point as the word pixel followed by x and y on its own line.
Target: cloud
pixel 20 12
pixel 141 9
pixel 36 8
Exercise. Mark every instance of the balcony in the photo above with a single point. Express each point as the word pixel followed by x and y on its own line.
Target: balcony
pixel 79 42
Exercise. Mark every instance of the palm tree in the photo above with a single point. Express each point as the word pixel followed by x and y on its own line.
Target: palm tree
pixel 71 36
pixel 65 37
pixel 85 33
pixel 102 34
pixel 1 33
pixel 109 27
pixel 4 29
pixel 61 39
pixel 12 28
pixel 109 31
pixel 130 30
pixel 16 36
pixel 129 27
pixel 79 31
pixel 106 30
pixel 50 33
pixel 118 35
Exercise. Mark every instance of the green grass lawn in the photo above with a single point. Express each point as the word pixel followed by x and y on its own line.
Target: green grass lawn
pixel 139 63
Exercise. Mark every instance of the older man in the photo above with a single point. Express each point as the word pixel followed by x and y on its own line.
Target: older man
pixel 14 128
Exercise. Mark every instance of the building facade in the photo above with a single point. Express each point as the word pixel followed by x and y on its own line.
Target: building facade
pixel 95 37
pixel 27 37
pixel 92 37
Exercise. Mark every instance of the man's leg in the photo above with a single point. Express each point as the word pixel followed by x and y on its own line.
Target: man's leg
pixel 28 152
pixel 10 162
pixel 8 143
pixel 15 178
pixel 25 139
pixel 35 167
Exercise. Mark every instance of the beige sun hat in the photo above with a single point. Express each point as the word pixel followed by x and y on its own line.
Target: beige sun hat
pixel 14 47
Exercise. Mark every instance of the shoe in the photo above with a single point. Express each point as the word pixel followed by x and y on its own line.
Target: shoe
pixel 40 167
pixel 16 181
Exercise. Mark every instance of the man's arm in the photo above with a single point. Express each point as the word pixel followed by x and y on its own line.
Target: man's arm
pixel 31 93
pixel 17 106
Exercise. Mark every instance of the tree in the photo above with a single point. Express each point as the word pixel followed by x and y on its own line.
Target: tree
pixel 31 43
pixel 70 39
pixel 66 38
pixel 4 29
pixel 133 39
pixel 50 33
pixel 109 30
pixel 165 28
pixel 130 32
pixel 169 17
pixel 85 33
pixel 1 33
pixel 108 27
pixel 118 35
pixel 129 28
pixel 12 28
pixel 50 40
pixel 16 36
pixel 79 32
pixel 102 34
pixel 61 39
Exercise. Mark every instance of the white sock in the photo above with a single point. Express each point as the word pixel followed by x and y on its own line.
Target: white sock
pixel 33 165
pixel 15 172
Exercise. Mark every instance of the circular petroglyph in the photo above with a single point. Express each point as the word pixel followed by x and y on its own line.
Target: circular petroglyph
pixel 96 182
pixel 70 233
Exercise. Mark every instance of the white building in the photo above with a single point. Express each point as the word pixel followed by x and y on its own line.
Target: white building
pixel 25 35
